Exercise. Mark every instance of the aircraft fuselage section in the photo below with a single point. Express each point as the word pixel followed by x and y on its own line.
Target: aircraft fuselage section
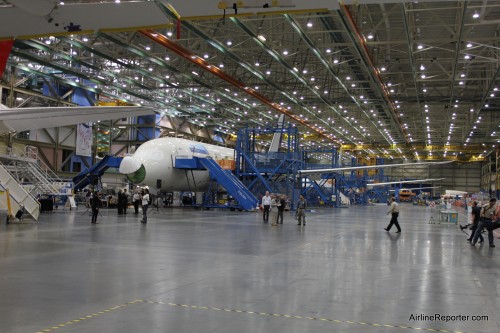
pixel 154 163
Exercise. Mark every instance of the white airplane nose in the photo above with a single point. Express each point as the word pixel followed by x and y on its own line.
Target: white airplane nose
pixel 129 165
pixel 133 169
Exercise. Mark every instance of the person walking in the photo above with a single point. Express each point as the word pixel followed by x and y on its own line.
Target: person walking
pixel 394 210
pixel 145 204
pixel 476 213
pixel 274 210
pixel 137 201
pixel 487 215
pixel 95 204
pixel 301 210
pixel 281 208
pixel 266 205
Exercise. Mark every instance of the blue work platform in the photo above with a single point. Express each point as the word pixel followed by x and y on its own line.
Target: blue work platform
pixel 225 178
pixel 87 176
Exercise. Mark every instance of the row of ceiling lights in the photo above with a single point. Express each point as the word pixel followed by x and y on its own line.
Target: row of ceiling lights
pixel 361 97
pixel 370 36
pixel 285 52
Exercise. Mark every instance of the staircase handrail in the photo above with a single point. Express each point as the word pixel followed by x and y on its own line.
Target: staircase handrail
pixel 26 199
pixel 17 201
pixel 41 165
pixel 234 185
pixel 12 197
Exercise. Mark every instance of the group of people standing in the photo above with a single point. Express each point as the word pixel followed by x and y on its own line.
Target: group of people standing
pixel 138 199
pixel 122 202
pixel 141 199
pixel 274 205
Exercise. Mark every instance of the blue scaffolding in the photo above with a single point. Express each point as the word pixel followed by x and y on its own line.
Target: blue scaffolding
pixel 321 191
pixel 278 172
pixel 262 171
pixel 359 179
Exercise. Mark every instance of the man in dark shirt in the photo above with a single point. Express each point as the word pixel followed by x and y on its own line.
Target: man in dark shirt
pixel 301 210
pixel 476 212
pixel 96 203
pixel 281 208
pixel 487 215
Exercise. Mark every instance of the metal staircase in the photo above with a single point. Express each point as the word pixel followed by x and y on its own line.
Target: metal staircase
pixel 246 200
pixel 18 195
pixel 26 169
pixel 232 184
pixel 86 177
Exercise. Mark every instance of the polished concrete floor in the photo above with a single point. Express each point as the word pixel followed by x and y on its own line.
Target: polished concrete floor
pixel 225 272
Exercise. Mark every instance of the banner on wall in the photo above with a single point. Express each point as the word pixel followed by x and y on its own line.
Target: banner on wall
pixel 84 139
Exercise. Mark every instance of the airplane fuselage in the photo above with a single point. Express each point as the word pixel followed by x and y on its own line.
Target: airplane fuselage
pixel 153 164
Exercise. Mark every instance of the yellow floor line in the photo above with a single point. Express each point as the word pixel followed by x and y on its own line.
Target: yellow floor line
pixel 87 317
pixel 337 321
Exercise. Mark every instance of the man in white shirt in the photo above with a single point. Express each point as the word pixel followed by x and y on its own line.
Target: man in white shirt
pixel 394 210
pixel 266 204
pixel 137 201
pixel 145 204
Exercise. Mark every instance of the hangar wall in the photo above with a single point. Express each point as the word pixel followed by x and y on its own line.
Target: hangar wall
pixel 458 176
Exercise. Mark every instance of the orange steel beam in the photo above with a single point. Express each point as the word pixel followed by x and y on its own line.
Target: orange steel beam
pixel 188 55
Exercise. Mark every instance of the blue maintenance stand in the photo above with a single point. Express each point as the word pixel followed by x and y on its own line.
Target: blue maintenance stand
pixel 88 176
pixel 244 198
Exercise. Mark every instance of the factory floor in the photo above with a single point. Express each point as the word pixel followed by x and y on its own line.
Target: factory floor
pixel 212 271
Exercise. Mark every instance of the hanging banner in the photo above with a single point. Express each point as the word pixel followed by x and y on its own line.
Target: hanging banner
pixel 84 139
pixel 5 47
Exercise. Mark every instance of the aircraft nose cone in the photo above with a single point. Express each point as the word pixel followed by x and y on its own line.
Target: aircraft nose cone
pixel 129 165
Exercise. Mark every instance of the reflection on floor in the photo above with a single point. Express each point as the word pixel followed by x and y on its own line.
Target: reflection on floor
pixel 216 271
